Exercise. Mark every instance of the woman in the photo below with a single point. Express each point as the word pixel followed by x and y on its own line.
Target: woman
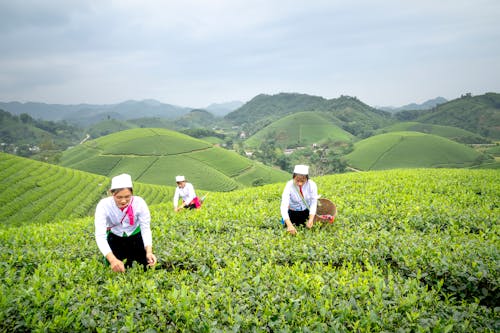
pixel 186 191
pixel 122 227
pixel 299 200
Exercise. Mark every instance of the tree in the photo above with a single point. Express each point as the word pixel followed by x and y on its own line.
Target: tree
pixel 25 118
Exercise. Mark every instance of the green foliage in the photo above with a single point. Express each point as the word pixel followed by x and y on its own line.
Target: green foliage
pixel 355 117
pixel 300 129
pixel 410 251
pixel 24 136
pixel 478 114
pixel 36 193
pixel 258 175
pixel 411 150
pixel 449 132
pixel 156 156
pixel 203 132
pixel 109 126
pixel 218 158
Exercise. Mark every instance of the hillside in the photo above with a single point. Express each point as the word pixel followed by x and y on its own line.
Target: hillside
pixel 355 116
pixel 410 251
pixel 477 114
pixel 106 127
pixel 300 129
pixel 25 136
pixel 156 156
pixel 449 132
pixel 195 119
pixel 411 150
pixel 37 192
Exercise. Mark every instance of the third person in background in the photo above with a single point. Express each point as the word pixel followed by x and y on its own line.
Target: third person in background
pixel 186 191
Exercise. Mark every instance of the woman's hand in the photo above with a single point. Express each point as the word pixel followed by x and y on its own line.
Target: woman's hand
pixel 117 266
pixel 115 263
pixel 310 223
pixel 151 259
pixel 291 229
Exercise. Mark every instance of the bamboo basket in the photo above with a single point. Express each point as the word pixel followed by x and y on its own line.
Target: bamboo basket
pixel 326 212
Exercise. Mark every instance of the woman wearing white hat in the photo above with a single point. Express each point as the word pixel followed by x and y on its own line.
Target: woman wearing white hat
pixel 186 191
pixel 122 227
pixel 299 200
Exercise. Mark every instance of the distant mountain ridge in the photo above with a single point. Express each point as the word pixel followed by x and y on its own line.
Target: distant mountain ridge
pixel 429 104
pixel 221 109
pixel 87 114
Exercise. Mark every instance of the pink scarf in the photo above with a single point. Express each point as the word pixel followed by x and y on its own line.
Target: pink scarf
pixel 129 212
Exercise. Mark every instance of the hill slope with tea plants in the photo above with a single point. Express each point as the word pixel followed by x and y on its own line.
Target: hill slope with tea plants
pixel 412 150
pixel 37 192
pixel 301 129
pixel 156 156
pixel 410 251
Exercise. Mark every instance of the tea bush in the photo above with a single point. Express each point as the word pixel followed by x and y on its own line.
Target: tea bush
pixel 410 251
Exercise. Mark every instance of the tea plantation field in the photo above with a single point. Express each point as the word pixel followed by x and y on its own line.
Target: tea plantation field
pixel 410 251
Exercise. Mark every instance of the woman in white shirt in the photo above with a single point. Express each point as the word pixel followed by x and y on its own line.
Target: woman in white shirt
pixel 186 191
pixel 299 200
pixel 122 227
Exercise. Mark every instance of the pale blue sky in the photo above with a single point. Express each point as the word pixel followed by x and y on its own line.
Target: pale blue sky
pixel 194 53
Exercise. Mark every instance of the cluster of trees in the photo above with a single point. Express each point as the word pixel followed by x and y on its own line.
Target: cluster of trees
pixel 38 139
pixel 323 159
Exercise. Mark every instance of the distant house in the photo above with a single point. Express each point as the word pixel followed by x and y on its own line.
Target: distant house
pixel 249 153
pixel 243 135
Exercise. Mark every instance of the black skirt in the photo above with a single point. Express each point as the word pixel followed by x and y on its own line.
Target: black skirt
pixel 299 217
pixel 130 248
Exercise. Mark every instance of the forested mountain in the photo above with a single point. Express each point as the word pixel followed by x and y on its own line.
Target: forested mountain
pixel 477 114
pixel 353 115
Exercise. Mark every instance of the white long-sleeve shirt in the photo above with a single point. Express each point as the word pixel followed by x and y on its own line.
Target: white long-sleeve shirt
pixel 187 194
pixel 291 199
pixel 108 215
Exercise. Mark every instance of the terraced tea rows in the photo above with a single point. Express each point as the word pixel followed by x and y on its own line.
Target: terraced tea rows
pixel 410 251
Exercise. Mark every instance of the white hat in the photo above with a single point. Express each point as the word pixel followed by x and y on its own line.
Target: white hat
pixel 301 169
pixel 180 179
pixel 121 181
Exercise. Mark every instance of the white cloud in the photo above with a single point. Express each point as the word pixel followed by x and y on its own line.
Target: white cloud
pixel 195 53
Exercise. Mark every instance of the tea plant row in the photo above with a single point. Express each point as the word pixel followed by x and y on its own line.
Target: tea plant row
pixel 410 251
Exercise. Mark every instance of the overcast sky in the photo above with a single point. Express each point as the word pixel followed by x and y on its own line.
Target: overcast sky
pixel 194 53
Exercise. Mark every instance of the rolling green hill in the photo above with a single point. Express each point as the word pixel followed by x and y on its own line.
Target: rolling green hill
pixel 299 129
pixel 37 192
pixel 411 150
pixel 449 132
pixel 156 156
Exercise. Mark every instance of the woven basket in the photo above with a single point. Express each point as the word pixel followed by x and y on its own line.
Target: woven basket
pixel 326 212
